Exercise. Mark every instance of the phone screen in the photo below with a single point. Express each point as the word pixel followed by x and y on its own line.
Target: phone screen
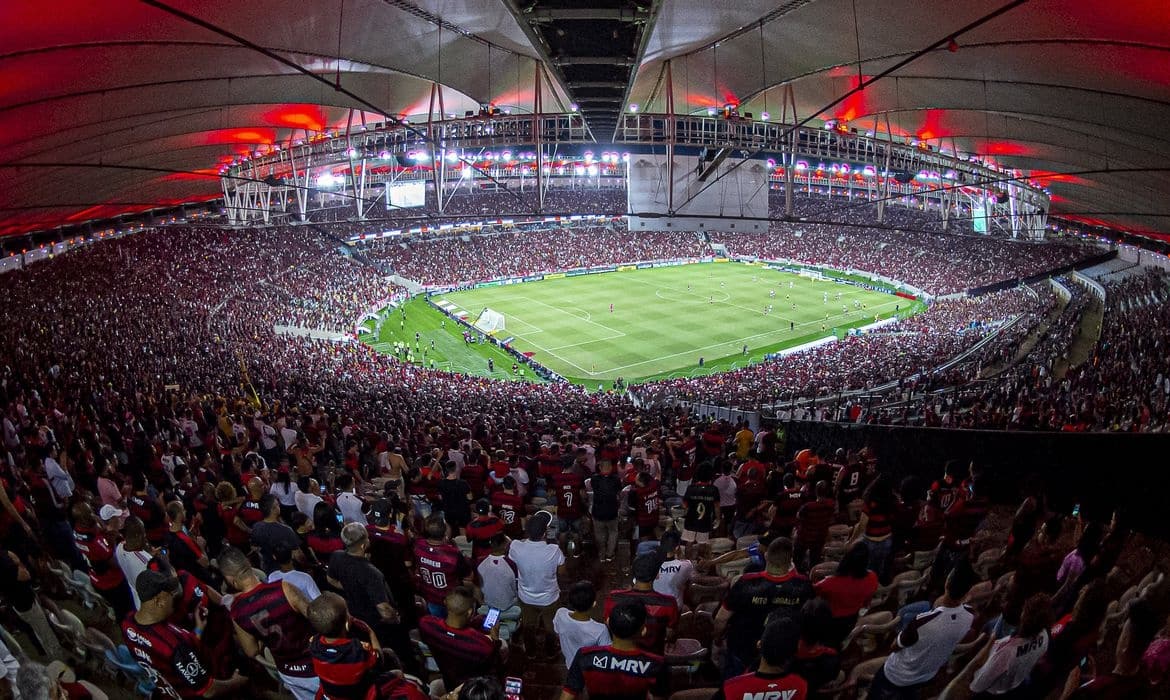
pixel 1076 510
pixel 492 618
pixel 339 518
pixel 513 687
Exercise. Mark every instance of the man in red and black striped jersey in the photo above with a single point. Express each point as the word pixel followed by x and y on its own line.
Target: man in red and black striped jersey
pixel 174 656
pixel 439 564
pixel 755 596
pixel 149 510
pixel 481 529
pixel 460 649
pixel 391 553
pixel 104 573
pixel 347 659
pixel 773 679
pixel 644 501
pixel 193 602
pixel 661 609
pixel 510 507
pixel 812 527
pixel 622 670
pixel 272 614
pixel 569 486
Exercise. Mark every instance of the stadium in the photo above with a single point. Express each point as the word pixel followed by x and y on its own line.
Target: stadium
pixel 500 349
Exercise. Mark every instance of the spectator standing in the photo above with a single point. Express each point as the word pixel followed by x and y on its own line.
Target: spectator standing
pixel 132 554
pixel 455 494
pixel 755 596
pixel 726 485
pixel 104 573
pixel 621 670
pixel 662 611
pixel 285 571
pixel 537 564
pixel 876 526
pixel 674 574
pixel 701 500
pixel 183 551
pixel 607 488
pixel 507 503
pixel 439 564
pixel 272 615
pixel 391 552
pixel 364 588
pixel 575 626
pixel 847 592
pixel 812 527
pixel 569 486
pixel 926 644
pixel 348 502
pixel 270 533
pixel 481 529
pixel 307 496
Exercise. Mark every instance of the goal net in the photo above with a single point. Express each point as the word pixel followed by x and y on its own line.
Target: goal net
pixel 490 322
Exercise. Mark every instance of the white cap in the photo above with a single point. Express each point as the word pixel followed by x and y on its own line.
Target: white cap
pixel 109 512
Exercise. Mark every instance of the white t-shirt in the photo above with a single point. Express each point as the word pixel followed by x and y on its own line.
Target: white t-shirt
pixel 290 438
pixel 536 563
pixel 132 564
pixel 726 485
pixel 350 506
pixel 673 576
pixel 1009 664
pixel 285 495
pixel 575 634
pixel 300 579
pixel 306 502
pixel 939 630
pixel 499 582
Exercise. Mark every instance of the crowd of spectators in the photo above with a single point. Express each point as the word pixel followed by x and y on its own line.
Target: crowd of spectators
pixel 936 263
pixel 452 261
pixel 148 403
pixel 895 352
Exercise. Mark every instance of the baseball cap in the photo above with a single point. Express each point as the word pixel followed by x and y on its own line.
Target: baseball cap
pixel 483 506
pixel 150 583
pixel 381 513
pixel 109 512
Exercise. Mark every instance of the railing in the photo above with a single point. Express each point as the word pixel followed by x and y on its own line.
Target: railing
pixel 816 143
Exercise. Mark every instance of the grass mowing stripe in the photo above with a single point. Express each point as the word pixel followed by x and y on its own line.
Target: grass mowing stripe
pixel 663 319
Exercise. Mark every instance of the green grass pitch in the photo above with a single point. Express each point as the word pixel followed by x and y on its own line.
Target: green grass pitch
pixel 665 319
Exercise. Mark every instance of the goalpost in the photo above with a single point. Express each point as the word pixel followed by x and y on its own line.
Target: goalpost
pixel 489 321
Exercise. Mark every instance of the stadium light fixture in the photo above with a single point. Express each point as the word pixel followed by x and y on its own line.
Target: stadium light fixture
pixel 506 155
pixel 352 153
pixel 578 170
pixel 771 162
pixel 588 156
pixel 384 155
pixel 593 171
pixel 573 107
pixel 711 111
pixel 765 116
pixel 327 180
pixel 633 108
pixel 625 157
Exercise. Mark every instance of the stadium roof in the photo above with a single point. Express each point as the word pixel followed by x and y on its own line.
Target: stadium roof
pixel 123 105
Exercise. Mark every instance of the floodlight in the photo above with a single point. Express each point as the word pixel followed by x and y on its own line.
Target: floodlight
pixel 765 116
pixel 633 107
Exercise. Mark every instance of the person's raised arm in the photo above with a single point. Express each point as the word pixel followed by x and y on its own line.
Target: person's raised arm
pixel 296 598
